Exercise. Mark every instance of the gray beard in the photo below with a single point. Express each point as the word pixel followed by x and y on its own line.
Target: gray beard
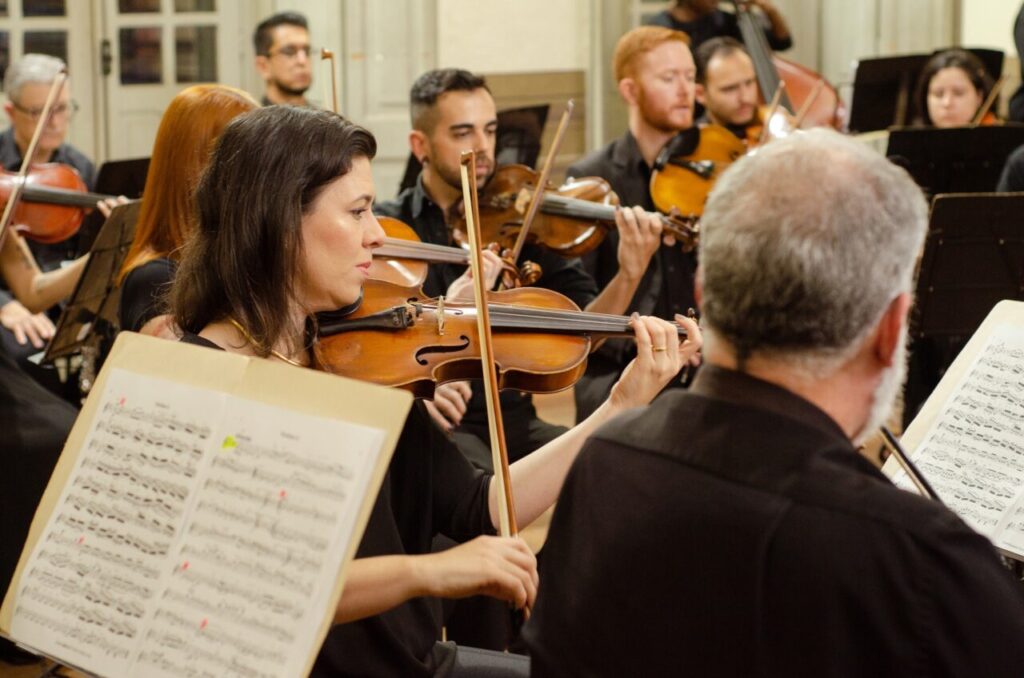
pixel 885 393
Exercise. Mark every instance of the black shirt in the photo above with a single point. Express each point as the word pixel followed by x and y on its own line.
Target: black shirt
pixel 143 293
pixel 429 489
pixel 566 276
pixel 1012 178
pixel 49 257
pixel 733 530
pixel 717 24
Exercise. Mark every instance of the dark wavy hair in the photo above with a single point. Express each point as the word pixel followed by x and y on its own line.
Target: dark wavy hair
pixel 970 64
pixel 267 169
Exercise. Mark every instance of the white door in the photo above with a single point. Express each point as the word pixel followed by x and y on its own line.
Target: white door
pixel 153 49
pixel 59 28
pixel 387 46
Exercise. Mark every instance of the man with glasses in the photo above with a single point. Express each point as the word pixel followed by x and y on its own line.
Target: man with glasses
pixel 283 58
pixel 27 84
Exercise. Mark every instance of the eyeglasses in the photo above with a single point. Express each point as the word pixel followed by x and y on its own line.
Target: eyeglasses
pixel 291 51
pixel 67 110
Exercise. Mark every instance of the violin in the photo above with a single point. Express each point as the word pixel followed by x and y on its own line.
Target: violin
pixel 686 168
pixel 53 202
pixel 404 259
pixel 396 336
pixel 571 220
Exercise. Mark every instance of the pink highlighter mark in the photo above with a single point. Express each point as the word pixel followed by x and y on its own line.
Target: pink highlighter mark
pixel 281 495
pixel 121 401
pixel 81 540
pixel 202 624
pixel 184 566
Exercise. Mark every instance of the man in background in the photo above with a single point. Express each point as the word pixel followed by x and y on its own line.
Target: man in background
pixel 656 78
pixel 727 85
pixel 703 20
pixel 283 58
pixel 27 84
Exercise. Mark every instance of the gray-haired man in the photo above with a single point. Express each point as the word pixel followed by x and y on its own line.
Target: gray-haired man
pixel 734 529
pixel 27 83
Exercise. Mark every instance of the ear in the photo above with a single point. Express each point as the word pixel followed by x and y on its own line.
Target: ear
pixel 419 145
pixel 9 110
pixel 890 329
pixel 629 90
pixel 698 94
pixel 262 66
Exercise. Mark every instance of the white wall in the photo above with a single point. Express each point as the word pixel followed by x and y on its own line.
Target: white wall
pixel 989 23
pixel 497 36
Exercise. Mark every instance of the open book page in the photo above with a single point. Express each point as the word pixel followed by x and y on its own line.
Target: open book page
pixel 197 530
pixel 968 440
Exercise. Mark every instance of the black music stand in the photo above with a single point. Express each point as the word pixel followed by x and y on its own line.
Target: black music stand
pixel 955 160
pixel 973 258
pixel 883 92
pixel 92 311
pixel 116 177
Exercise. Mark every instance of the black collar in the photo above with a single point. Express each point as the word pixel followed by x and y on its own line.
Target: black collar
pixel 742 389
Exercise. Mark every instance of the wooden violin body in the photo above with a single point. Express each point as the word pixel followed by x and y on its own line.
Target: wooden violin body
pixel 572 220
pixel 53 202
pixel 682 181
pixel 398 337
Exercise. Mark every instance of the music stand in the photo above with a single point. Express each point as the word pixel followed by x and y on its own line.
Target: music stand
pixel 92 310
pixel 883 91
pixel 973 258
pixel 116 177
pixel 955 160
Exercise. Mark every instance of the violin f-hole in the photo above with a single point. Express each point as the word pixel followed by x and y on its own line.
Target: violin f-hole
pixel 428 350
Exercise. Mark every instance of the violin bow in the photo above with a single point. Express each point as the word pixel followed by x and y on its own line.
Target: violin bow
pixel 538 192
pixel 499 452
pixel 773 108
pixel 991 99
pixel 327 55
pixel 19 183
pixel 924 488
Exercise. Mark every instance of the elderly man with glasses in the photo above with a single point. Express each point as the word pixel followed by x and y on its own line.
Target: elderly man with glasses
pixel 283 58
pixel 27 83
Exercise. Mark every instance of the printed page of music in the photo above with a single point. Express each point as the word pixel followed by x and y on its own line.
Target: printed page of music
pixel 197 533
pixel 968 440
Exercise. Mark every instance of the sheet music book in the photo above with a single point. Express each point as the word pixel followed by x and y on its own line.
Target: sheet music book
pixel 968 439
pixel 201 516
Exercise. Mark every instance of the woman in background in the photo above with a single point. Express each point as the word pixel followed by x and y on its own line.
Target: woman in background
pixel 951 89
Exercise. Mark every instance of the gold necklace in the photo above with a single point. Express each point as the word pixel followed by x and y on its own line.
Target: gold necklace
pixel 248 337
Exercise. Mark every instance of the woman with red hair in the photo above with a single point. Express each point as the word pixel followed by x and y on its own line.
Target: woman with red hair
pixel 189 128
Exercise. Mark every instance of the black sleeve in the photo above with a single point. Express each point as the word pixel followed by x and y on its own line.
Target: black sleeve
pixel 143 292
pixel 777 44
pixel 459 490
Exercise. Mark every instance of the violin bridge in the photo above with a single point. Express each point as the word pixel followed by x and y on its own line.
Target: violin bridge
pixel 440 316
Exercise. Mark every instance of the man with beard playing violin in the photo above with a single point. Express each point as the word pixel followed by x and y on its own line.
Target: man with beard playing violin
pixel 727 85
pixel 453 111
pixel 656 77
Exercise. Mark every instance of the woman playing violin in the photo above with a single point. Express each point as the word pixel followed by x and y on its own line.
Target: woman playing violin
pixel 284 231
pixel 951 89
pixel 188 130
